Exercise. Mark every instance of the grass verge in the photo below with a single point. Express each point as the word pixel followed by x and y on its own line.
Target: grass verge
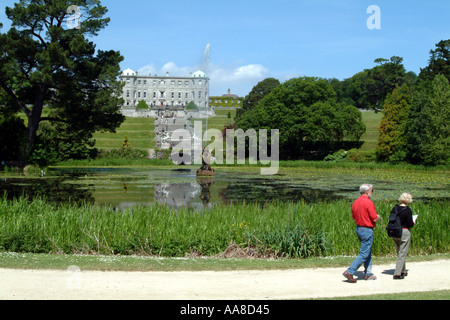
pixel 10 260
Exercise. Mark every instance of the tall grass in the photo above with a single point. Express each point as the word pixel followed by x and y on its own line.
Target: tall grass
pixel 284 229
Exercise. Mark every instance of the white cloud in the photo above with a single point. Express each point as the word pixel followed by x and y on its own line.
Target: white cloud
pixel 222 77
pixel 170 67
pixel 248 73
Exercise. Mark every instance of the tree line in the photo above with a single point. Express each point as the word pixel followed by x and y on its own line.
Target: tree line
pixel 45 62
pixel 319 116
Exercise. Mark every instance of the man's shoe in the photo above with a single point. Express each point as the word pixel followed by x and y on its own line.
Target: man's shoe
pixel 372 277
pixel 349 277
pixel 396 277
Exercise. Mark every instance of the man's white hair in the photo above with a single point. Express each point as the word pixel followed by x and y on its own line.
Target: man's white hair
pixel 364 188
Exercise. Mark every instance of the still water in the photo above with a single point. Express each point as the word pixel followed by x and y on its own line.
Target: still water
pixel 122 188
pixel 180 187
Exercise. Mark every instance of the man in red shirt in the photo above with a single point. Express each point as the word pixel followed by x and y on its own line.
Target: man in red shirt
pixel 366 217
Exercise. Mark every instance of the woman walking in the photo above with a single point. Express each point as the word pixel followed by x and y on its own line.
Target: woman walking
pixel 402 244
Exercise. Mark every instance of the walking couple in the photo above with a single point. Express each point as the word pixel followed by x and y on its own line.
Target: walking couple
pixel 366 217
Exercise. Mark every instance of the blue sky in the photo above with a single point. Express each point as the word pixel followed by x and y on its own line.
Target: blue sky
pixel 239 43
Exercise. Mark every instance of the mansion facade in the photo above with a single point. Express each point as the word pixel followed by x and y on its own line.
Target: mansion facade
pixel 228 100
pixel 165 91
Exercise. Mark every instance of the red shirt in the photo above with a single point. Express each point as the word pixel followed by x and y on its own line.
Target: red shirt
pixel 364 213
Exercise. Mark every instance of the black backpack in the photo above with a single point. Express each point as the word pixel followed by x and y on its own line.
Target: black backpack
pixel 394 227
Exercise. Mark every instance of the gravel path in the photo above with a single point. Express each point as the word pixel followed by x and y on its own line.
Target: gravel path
pixel 74 284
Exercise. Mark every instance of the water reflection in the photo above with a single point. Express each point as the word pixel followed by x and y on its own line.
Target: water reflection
pixel 176 195
pixel 123 188
pixel 54 190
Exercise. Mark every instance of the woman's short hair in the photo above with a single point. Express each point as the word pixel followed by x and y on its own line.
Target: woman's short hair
pixel 406 198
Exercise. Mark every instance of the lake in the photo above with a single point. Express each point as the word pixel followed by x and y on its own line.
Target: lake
pixel 180 187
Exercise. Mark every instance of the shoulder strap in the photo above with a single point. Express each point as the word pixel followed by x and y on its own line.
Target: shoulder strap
pixel 396 210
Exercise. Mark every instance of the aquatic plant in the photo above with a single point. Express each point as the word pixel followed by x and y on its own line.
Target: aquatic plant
pixel 285 229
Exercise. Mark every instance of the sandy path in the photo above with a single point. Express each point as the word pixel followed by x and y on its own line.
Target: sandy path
pixel 74 284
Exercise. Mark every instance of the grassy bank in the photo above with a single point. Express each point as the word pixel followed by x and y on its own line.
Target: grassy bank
pixel 140 133
pixel 281 230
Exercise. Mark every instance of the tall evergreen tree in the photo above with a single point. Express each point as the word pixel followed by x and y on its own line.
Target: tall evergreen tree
pixel 47 61
pixel 439 62
pixel 392 142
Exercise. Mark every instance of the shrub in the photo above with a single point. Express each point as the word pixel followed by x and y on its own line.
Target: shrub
pixel 124 153
pixel 338 156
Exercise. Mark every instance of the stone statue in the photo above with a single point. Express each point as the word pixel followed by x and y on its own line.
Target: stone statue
pixel 205 169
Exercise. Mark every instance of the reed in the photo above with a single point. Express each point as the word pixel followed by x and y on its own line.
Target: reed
pixel 293 230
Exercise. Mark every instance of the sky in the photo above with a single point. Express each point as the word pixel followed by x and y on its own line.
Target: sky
pixel 238 43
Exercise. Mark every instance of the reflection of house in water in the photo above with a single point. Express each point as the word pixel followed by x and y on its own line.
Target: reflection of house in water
pixel 176 195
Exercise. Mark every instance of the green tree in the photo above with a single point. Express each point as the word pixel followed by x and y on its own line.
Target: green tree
pixel 368 89
pixel 428 129
pixel 44 62
pixel 308 116
pixel 142 105
pixel 382 80
pixel 392 142
pixel 258 92
pixel 12 130
pixel 439 62
pixel 192 106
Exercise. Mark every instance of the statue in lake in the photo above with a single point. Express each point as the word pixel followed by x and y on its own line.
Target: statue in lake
pixel 206 170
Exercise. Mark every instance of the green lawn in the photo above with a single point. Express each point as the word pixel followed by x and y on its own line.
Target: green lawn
pixel 372 121
pixel 140 133
pixel 219 121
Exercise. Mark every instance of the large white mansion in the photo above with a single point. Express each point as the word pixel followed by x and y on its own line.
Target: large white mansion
pixel 166 90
